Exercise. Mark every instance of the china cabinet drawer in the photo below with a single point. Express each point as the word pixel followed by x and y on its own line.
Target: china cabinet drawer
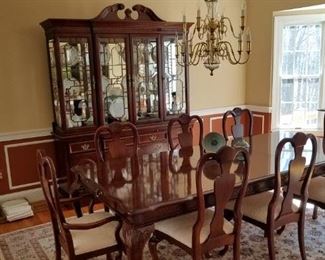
pixel 153 137
pixel 80 147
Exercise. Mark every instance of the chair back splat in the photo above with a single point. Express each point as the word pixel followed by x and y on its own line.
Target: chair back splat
pixel 110 141
pixel 237 129
pixel 219 169
pixel 182 137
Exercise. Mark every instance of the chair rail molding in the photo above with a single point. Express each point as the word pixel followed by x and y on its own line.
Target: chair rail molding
pixel 221 110
pixel 25 134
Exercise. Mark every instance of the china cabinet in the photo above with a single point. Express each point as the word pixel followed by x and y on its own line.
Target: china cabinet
pixel 120 65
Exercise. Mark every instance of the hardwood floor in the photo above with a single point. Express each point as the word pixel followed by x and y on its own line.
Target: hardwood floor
pixel 38 218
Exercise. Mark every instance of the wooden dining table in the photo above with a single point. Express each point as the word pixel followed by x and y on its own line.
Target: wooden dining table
pixel 148 188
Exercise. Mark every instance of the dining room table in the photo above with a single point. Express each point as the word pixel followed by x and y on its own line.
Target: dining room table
pixel 149 187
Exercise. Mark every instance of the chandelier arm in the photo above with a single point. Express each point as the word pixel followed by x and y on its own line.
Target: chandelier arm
pixel 198 49
pixel 231 27
pixel 244 61
pixel 225 46
pixel 239 59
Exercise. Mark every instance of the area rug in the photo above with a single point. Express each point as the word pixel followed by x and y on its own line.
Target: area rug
pixel 37 243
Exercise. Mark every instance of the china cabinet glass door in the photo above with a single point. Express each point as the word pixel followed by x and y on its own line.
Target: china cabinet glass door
pixel 174 79
pixel 76 81
pixel 54 83
pixel 145 77
pixel 113 76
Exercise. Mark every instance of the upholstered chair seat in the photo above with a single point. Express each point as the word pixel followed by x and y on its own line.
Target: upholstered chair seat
pixel 256 206
pixel 94 239
pixel 316 189
pixel 316 193
pixel 180 228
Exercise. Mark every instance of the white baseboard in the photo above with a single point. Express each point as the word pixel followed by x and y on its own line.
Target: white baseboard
pixel 32 195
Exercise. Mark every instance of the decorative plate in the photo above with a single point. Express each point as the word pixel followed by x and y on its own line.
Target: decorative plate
pixel 213 141
pixel 116 107
pixel 73 56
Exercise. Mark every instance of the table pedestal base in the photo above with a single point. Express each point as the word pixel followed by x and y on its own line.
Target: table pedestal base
pixel 135 239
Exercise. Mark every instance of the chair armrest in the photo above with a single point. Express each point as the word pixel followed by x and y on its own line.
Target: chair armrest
pixel 90 225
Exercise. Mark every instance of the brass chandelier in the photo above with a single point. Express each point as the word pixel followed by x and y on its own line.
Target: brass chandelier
pixel 213 46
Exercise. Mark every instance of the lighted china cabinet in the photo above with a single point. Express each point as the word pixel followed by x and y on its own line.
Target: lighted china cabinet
pixel 120 65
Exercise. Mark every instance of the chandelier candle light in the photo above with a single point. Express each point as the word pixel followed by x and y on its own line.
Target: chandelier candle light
pixel 213 46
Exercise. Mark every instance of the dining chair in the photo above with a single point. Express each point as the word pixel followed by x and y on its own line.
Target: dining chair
pixel 180 132
pixel 272 210
pixel 118 146
pixel 81 238
pixel 200 232
pixel 237 129
pixel 317 185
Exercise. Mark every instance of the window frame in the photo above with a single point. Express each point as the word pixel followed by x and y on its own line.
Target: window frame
pixel 280 21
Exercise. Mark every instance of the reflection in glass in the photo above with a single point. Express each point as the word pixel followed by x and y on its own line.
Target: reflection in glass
pixel 145 79
pixel 174 79
pixel 55 88
pixel 76 78
pixel 113 79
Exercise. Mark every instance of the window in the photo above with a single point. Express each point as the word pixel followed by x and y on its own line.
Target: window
pixel 298 85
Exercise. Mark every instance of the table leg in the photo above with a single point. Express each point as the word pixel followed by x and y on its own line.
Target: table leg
pixel 134 239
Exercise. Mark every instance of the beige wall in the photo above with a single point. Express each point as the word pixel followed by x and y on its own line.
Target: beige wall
pixel 25 102
pixel 260 20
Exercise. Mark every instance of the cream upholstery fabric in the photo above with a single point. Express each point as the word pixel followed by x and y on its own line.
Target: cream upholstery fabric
pixel 316 189
pixel 93 239
pixel 256 206
pixel 180 228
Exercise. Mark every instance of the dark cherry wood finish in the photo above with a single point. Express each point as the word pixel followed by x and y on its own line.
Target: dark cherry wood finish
pixel 161 186
pixel 108 137
pixel 73 144
pixel 61 228
pixel 297 172
pixel 180 131
pixel 216 167
pixel 237 129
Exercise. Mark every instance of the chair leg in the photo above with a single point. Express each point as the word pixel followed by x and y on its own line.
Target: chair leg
pixel 280 231
pixel 119 255
pixel 315 211
pixel 57 248
pixel 301 235
pixel 270 243
pixel 236 247
pixel 109 257
pixel 153 242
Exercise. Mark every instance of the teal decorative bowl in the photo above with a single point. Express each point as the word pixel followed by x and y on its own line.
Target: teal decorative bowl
pixel 213 141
